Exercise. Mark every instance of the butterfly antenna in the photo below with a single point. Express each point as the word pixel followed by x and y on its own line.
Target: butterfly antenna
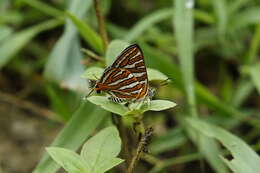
pixel 86 96
pixel 165 82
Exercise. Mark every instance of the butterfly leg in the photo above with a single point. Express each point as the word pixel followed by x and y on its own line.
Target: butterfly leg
pixel 116 99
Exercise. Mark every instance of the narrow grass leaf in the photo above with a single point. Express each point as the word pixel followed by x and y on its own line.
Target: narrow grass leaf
pixel 68 159
pixel 5 32
pixel 77 130
pixel 15 42
pixel 254 72
pixel 220 9
pixel 146 23
pixel 183 25
pixel 63 65
pixel 90 36
pixel 245 18
pixel 44 7
pixel 244 158
pixel 102 147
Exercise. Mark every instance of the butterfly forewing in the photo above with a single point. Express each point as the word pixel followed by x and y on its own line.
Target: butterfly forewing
pixel 132 59
pixel 126 78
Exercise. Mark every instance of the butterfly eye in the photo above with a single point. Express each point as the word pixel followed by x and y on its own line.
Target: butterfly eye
pixel 98 91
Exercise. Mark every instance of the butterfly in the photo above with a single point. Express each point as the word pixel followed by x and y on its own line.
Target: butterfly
pixel 126 79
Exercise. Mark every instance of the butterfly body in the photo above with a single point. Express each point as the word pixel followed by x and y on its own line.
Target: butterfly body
pixel 126 79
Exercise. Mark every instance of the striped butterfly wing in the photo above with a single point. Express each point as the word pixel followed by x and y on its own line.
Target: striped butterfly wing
pixel 132 60
pixel 121 83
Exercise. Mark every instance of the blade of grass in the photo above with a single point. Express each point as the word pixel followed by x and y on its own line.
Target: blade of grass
pixel 157 16
pixel 44 7
pixel 15 42
pixel 220 9
pixel 147 22
pixel 90 36
pixel 183 25
pixel 77 130
pixel 245 18
pixel 63 65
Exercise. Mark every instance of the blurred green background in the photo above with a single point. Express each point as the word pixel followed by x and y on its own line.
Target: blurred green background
pixel 208 48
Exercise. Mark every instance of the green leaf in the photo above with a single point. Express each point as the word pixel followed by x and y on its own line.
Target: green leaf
pixel 220 8
pixel 183 23
pixel 101 148
pixel 61 67
pixel 169 68
pixel 108 105
pixel 108 164
pixel 154 75
pixel 114 49
pixel 254 72
pixel 244 158
pixel 93 73
pixel 5 32
pixel 159 105
pixel 90 36
pixel 77 130
pixel 146 23
pixel 68 159
pixel 44 7
pixel 15 42
pixel 245 18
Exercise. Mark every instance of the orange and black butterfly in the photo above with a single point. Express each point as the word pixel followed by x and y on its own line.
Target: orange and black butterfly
pixel 126 79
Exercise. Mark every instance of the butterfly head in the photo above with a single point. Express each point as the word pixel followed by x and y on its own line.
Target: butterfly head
pixel 97 88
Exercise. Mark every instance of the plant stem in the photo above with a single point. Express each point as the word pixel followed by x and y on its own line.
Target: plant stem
pixel 101 24
pixel 123 134
pixel 92 55
pixel 140 149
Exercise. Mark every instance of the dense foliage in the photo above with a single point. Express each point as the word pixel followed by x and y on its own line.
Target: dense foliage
pixel 208 48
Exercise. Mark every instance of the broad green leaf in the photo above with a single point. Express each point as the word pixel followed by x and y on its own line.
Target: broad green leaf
pixel 77 130
pixel 63 65
pixel 90 36
pixel 108 164
pixel 108 105
pixel 101 148
pixel 15 42
pixel 154 75
pixel 93 73
pixel 254 72
pixel 146 23
pixel 159 105
pixel 244 158
pixel 114 49
pixel 211 150
pixel 183 23
pixel 68 159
